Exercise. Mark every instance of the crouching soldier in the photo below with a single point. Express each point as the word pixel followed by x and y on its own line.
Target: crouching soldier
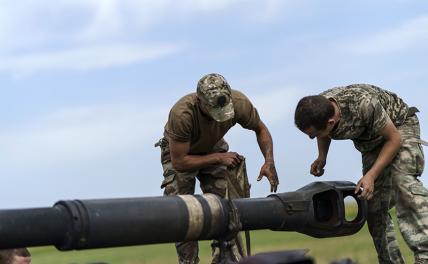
pixel 193 147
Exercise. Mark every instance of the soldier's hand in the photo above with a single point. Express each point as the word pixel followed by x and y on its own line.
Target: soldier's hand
pixel 230 159
pixel 366 185
pixel 317 167
pixel 269 171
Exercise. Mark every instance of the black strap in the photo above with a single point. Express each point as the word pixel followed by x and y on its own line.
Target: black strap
pixel 248 242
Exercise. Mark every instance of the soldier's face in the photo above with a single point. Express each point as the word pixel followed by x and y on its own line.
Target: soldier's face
pixel 313 132
pixel 204 108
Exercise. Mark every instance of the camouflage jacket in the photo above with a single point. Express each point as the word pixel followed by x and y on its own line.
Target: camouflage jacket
pixel 364 111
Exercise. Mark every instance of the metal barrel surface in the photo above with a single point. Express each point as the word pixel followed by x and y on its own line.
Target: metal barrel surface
pixel 317 210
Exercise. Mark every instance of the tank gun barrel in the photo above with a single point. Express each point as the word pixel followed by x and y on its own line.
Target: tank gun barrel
pixel 316 210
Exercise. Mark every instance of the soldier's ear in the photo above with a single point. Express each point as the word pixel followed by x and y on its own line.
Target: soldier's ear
pixel 331 122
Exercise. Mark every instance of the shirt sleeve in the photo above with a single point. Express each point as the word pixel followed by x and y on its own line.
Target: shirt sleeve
pixel 373 114
pixel 179 126
pixel 246 113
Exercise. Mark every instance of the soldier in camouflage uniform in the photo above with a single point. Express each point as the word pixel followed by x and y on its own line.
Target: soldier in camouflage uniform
pixel 193 145
pixel 386 132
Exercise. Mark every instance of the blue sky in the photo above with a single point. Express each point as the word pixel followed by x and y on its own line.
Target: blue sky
pixel 86 85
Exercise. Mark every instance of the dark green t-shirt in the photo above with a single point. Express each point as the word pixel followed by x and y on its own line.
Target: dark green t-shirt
pixel 364 111
pixel 186 122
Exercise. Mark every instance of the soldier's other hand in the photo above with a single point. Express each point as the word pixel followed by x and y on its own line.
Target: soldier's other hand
pixel 230 159
pixel 269 171
pixel 366 186
pixel 21 260
pixel 317 167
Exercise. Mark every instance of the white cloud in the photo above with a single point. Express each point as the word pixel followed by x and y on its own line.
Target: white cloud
pixel 409 35
pixel 106 19
pixel 84 58
pixel 79 135
pixel 72 35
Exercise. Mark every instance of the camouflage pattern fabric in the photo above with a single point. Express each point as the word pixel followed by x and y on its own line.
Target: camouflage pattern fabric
pixel 215 93
pixel 365 109
pixel 379 221
pixel 411 196
pixel 187 122
pixel 399 181
pixel 211 86
pixel 237 187
pixel 218 180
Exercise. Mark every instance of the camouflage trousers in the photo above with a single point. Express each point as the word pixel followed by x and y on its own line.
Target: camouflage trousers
pixel 399 186
pixel 219 180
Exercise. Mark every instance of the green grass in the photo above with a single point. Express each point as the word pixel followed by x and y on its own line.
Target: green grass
pixel 358 247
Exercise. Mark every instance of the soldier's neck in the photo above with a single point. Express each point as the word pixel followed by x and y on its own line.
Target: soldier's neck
pixel 337 113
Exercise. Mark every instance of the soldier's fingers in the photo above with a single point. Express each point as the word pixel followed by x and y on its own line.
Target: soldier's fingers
pixel 275 186
pixel 318 168
pixel 314 172
pixel 313 167
pixel 260 177
pixel 272 186
pixel 231 163
pixel 365 194
pixel 369 194
pixel 273 181
pixel 361 193
pixel 357 188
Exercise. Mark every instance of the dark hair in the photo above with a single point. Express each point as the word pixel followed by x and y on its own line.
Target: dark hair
pixel 313 111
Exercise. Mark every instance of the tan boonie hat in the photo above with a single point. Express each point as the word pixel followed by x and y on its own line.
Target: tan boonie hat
pixel 215 93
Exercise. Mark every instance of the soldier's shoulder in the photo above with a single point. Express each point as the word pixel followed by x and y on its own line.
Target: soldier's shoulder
pixel 186 100
pixel 332 92
pixel 237 93
pixel 184 104
pixel 353 90
pixel 239 96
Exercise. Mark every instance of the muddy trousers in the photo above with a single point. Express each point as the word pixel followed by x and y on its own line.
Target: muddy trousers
pixel 399 186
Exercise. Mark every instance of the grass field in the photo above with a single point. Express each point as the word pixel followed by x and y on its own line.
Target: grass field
pixel 358 247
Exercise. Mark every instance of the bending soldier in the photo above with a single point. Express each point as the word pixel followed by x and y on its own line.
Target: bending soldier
pixel 386 132
pixel 193 145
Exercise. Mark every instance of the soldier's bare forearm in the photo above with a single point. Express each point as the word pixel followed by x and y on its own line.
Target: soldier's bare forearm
pixel 194 162
pixel 323 147
pixel 183 161
pixel 264 139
